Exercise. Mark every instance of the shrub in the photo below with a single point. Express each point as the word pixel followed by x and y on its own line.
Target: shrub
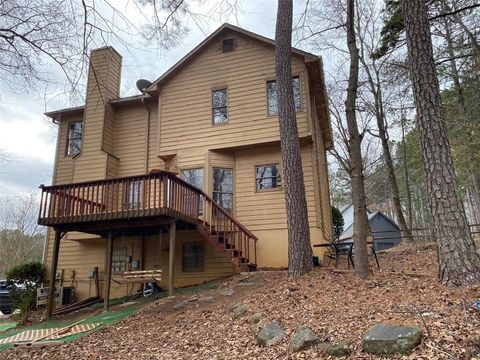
pixel 338 222
pixel 27 278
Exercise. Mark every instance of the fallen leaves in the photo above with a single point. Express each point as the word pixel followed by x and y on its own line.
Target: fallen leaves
pixel 336 305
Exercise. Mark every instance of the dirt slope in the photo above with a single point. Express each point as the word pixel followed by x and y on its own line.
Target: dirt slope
pixel 337 306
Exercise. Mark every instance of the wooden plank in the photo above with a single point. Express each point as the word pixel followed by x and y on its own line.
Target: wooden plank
pixel 171 261
pixel 53 273
pixel 108 275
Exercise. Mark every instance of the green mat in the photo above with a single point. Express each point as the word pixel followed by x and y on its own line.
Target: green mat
pixel 6 326
pixel 106 318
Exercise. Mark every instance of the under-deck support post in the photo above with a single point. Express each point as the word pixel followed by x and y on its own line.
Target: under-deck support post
pixel 53 273
pixel 108 271
pixel 171 262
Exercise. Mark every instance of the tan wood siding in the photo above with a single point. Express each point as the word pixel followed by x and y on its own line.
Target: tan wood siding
pixel 265 210
pixel 186 114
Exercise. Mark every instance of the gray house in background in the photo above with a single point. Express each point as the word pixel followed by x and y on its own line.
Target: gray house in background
pixel 385 231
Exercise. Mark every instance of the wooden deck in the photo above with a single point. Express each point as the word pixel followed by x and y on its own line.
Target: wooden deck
pixel 139 204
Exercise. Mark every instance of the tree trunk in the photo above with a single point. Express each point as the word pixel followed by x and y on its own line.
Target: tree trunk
pixel 407 179
pixel 458 261
pixel 376 90
pixel 299 248
pixel 360 219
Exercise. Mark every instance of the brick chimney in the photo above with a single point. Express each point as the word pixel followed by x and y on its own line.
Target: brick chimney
pixel 103 85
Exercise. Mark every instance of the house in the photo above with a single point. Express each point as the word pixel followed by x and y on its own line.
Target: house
pixel 187 176
pixel 385 231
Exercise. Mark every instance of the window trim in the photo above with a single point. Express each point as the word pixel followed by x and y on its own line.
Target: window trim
pixel 300 86
pixel 278 188
pixel 67 142
pixel 202 267
pixel 212 108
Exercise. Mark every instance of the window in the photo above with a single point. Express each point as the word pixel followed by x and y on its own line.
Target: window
pixel 219 106
pixel 194 177
pixel 74 140
pixel 272 96
pixel 223 188
pixel 134 195
pixel 119 259
pixel 193 257
pixel 267 177
pixel 227 45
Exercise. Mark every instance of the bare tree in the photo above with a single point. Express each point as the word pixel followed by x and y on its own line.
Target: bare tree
pixel 360 223
pixel 21 239
pixel 368 40
pixel 299 247
pixel 459 263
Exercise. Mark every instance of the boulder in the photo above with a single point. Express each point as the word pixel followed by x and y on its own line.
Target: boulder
pixel 384 339
pixel 227 292
pixel 232 305
pixel 256 318
pixel 240 310
pixel 257 322
pixel 271 334
pixel 180 305
pixel 339 349
pixel 302 339
pixel 205 299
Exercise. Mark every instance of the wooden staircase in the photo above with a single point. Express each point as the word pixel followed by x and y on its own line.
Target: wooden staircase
pixel 229 236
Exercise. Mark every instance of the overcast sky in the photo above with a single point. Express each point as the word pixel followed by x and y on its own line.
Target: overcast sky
pixel 27 138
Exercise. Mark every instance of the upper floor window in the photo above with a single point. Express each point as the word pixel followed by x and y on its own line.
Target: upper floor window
pixel 267 177
pixel 272 95
pixel 74 140
pixel 223 188
pixel 219 106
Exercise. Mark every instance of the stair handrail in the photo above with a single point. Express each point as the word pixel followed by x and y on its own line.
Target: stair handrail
pixel 218 207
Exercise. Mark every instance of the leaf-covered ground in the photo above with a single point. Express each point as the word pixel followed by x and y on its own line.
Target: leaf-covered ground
pixel 336 305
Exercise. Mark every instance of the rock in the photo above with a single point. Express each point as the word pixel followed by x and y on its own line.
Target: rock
pixel 227 292
pixel 384 339
pixel 180 305
pixel 205 299
pixel 257 322
pixel 339 349
pixel 240 310
pixel 302 339
pixel 249 283
pixel 271 334
pixel 256 318
pixel 233 305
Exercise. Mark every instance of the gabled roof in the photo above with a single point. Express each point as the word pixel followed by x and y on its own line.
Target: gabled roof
pixel 212 36
pixel 348 229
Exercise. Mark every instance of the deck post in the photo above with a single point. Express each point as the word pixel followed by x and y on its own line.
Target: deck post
pixel 53 273
pixel 108 271
pixel 171 262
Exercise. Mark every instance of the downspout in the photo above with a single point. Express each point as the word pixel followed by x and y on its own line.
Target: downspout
pixel 147 134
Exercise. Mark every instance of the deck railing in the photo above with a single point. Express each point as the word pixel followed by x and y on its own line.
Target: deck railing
pixel 138 197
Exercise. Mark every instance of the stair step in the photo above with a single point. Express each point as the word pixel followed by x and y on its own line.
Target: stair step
pixel 234 253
